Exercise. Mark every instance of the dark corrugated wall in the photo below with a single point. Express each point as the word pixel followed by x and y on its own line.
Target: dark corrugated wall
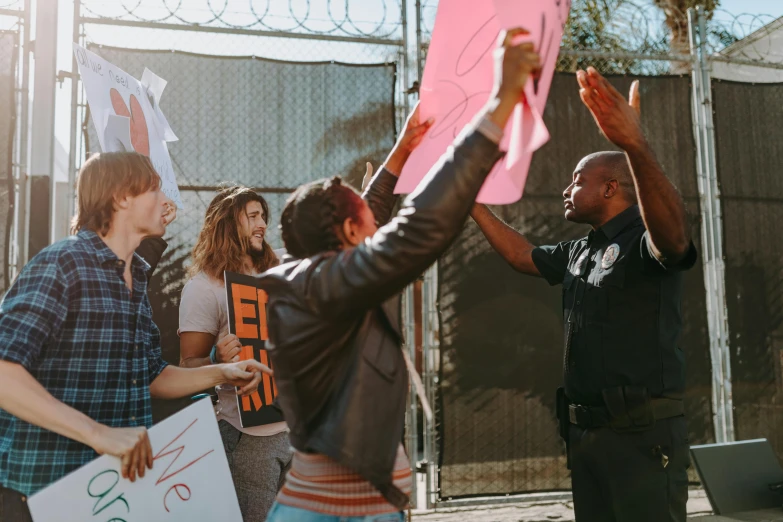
pixel 501 349
pixel 750 171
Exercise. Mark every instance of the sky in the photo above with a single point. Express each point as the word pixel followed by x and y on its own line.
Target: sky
pixel 771 7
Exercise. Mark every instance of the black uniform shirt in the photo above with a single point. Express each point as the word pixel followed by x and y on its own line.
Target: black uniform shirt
pixel 622 310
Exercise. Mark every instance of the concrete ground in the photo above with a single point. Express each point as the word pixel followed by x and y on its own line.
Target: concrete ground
pixel 560 510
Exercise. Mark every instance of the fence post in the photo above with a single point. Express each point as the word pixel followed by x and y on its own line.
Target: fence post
pixel 22 219
pixel 73 161
pixel 430 358
pixel 711 228
pixel 42 178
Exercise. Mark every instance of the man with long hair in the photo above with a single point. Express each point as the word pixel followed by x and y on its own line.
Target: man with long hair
pixel 233 240
pixel 334 329
pixel 80 357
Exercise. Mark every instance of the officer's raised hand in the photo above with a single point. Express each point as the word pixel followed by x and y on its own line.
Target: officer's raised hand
pixel 661 206
pixel 617 117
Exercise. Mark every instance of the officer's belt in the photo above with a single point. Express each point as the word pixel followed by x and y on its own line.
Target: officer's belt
pixel 587 417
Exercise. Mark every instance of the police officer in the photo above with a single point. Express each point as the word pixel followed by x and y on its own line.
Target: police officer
pixel 621 411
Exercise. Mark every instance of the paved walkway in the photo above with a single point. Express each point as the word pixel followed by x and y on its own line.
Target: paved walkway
pixel 539 511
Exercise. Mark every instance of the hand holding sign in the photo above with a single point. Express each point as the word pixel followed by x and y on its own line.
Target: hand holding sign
pixel 409 139
pixel 190 472
pixel 618 119
pixel 171 213
pixel 131 445
pixel 228 349
pixel 458 81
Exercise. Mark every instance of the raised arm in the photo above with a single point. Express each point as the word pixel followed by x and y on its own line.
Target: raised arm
pixel 434 213
pixel 379 193
pixel 660 203
pixel 512 246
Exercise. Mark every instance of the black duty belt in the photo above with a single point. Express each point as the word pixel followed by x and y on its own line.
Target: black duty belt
pixel 587 417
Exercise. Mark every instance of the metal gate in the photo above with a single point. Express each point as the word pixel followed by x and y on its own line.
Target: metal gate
pixel 14 82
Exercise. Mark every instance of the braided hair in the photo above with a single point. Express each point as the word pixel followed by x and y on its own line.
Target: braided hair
pixel 313 213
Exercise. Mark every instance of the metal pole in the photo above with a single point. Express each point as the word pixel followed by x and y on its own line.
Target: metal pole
pixel 425 360
pixel 430 364
pixel 43 184
pixel 717 262
pixel 711 231
pixel 419 60
pixel 412 433
pixel 23 213
pixel 73 161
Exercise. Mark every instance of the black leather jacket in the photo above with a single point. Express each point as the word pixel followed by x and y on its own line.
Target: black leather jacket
pixel 334 325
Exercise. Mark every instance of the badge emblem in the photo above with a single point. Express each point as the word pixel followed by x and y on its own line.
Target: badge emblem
pixel 610 256
pixel 580 263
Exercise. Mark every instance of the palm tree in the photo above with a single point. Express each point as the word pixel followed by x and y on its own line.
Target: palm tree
pixel 677 22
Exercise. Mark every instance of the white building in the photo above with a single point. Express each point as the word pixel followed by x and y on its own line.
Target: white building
pixel 765 45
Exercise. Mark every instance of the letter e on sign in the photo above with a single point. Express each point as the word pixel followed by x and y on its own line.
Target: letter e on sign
pixel 244 311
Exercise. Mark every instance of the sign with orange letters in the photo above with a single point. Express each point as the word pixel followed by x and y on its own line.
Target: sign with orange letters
pixel 247 320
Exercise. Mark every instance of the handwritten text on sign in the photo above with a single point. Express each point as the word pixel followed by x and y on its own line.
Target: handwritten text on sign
pixel 247 320
pixel 188 473
pixel 113 93
pixel 458 79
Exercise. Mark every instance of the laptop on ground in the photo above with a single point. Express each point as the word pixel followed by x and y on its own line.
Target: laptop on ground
pixel 737 475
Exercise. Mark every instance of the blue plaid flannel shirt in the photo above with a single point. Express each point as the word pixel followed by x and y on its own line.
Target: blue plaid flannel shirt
pixel 70 320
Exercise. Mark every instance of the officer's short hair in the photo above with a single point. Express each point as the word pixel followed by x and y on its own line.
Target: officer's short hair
pixel 616 167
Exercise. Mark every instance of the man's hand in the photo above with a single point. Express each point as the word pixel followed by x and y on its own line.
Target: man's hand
pixel 228 349
pixel 409 139
pixel 171 213
pixel 513 66
pixel 617 118
pixel 246 375
pixel 367 176
pixel 131 445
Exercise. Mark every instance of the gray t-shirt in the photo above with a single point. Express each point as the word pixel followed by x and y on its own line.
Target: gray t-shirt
pixel 203 309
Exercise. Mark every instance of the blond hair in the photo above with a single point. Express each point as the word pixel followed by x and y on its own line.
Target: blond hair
pixel 106 178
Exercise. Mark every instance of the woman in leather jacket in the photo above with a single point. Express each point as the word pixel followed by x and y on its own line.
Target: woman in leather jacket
pixel 333 310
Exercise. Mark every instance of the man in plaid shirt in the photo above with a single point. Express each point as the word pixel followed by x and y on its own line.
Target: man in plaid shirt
pixel 80 357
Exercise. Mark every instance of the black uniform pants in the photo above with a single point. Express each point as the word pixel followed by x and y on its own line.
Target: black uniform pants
pixel 620 477
pixel 13 506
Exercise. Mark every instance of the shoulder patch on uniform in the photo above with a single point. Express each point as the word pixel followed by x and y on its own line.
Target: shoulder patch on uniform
pixel 610 255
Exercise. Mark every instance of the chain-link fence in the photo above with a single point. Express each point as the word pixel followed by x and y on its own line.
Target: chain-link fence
pixel 749 158
pixel 500 354
pixel 268 98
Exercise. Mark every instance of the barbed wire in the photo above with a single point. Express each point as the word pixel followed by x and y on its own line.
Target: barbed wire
pixel 628 27
pixel 14 5
pixel 352 18
pixel 12 15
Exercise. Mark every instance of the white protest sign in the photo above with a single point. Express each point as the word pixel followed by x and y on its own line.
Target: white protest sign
pixel 189 480
pixel 112 91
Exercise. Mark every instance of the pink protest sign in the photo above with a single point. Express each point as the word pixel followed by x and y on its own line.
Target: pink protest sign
pixel 458 80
